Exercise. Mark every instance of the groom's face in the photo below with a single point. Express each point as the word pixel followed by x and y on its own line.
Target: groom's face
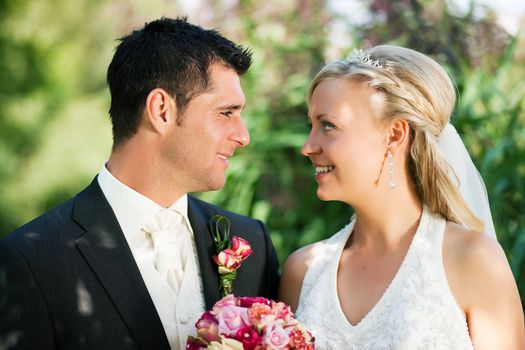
pixel 211 128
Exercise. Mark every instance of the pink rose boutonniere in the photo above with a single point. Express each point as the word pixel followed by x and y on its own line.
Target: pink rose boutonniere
pixel 230 254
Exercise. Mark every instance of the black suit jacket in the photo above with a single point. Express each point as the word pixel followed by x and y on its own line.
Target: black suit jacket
pixel 68 279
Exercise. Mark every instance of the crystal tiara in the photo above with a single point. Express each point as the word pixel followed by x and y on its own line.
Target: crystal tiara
pixel 359 56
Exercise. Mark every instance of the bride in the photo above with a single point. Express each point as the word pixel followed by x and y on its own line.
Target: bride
pixel 413 269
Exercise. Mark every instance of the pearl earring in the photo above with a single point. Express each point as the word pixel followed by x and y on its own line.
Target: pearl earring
pixel 392 180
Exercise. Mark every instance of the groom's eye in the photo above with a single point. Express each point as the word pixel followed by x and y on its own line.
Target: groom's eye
pixel 227 114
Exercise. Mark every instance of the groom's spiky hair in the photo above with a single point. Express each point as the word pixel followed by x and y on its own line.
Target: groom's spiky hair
pixel 171 54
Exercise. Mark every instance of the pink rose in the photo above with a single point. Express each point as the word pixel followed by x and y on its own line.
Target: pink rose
pixel 231 319
pixel 275 337
pixel 249 337
pixel 230 259
pixel 229 300
pixel 241 247
pixel 249 301
pixel 208 327
pixel 227 261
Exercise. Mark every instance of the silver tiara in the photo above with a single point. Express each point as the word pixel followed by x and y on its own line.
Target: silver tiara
pixel 359 56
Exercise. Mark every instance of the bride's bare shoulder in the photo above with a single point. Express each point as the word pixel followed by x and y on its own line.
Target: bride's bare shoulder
pixel 470 249
pixel 476 267
pixel 482 283
pixel 300 260
pixel 294 270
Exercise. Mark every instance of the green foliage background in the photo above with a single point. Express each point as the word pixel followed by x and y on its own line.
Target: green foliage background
pixel 55 131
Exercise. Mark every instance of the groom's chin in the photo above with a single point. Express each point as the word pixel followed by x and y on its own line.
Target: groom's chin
pixel 216 184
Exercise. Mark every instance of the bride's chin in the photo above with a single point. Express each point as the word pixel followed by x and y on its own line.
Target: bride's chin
pixel 322 195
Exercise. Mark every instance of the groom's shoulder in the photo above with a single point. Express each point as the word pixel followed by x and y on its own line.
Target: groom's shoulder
pixel 56 218
pixel 36 229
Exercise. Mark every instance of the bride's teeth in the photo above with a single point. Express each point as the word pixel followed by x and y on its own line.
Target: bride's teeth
pixel 323 169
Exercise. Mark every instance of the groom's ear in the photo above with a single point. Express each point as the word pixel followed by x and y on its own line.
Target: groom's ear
pixel 398 135
pixel 160 111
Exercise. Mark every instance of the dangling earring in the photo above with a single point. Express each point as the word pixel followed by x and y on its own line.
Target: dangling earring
pixel 392 179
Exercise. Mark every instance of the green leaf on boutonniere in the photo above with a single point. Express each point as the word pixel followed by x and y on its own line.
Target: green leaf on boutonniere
pixel 229 255
pixel 221 236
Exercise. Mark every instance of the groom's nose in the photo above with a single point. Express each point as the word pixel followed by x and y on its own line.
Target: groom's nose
pixel 240 134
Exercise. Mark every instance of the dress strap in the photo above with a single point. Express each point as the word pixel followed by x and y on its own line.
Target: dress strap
pixel 324 261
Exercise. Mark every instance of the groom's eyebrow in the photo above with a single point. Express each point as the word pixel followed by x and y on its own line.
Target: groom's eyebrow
pixel 232 107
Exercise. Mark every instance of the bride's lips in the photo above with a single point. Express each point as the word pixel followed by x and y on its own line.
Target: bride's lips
pixel 322 170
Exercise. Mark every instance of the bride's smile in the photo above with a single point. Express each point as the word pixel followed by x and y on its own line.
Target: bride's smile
pixel 345 137
pixel 323 169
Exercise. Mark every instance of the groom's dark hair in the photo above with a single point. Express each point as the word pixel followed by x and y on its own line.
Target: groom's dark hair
pixel 171 54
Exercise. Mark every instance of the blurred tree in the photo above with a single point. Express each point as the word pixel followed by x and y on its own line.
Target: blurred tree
pixel 430 27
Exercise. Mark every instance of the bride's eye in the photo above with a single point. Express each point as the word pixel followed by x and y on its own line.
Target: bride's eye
pixel 327 126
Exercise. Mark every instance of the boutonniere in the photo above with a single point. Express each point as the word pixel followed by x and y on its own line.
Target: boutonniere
pixel 230 253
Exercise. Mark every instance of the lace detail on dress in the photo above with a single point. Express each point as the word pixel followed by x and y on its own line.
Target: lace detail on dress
pixel 416 311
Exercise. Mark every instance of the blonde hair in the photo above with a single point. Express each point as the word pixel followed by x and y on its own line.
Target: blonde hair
pixel 417 89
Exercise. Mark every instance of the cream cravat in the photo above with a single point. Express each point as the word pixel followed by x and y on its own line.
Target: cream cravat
pixel 172 245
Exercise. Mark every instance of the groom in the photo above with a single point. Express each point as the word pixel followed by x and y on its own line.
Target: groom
pixel 127 263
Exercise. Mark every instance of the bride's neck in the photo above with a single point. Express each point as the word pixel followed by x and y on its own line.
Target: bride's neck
pixel 387 223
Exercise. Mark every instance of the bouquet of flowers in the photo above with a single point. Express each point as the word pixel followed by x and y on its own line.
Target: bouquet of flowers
pixel 249 323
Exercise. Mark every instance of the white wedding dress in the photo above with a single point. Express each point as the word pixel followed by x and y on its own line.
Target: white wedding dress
pixel 417 310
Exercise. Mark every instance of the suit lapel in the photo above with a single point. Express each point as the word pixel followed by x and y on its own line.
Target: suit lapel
pixel 106 250
pixel 200 222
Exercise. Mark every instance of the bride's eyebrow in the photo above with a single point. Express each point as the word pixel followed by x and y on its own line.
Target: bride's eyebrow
pixel 317 117
pixel 324 115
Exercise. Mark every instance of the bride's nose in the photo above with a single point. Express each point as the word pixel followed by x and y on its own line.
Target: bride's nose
pixel 310 146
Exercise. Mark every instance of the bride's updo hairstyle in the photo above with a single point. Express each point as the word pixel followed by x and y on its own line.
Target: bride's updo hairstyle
pixel 417 89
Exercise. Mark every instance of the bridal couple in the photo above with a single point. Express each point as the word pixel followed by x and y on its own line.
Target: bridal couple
pixel 127 263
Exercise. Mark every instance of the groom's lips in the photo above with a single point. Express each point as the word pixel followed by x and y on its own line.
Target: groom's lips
pixel 225 156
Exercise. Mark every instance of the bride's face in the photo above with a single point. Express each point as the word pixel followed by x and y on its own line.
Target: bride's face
pixel 346 144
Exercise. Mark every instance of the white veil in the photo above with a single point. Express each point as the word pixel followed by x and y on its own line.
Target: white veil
pixel 471 185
